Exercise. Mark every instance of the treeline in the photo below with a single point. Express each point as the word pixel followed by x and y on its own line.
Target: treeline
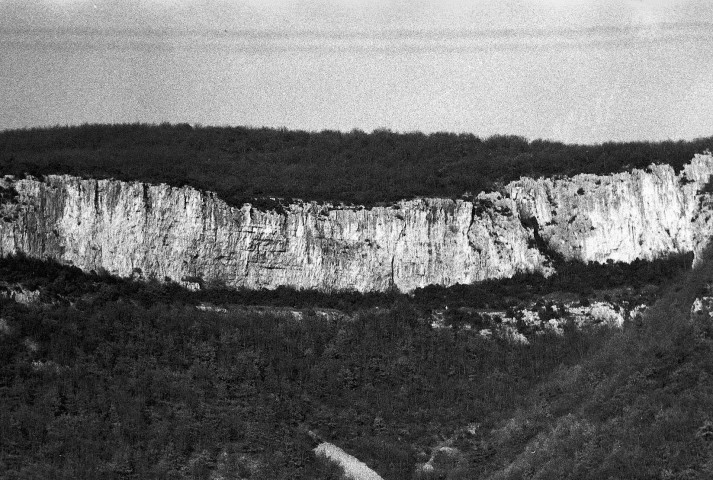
pixel 242 164
pixel 56 281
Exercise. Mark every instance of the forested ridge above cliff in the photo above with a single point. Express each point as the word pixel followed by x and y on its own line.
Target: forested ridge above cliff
pixel 241 163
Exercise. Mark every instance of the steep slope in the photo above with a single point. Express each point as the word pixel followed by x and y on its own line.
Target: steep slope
pixel 187 235
pixel 640 407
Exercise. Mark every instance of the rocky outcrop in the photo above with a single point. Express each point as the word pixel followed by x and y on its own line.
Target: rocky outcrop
pixel 622 217
pixel 183 234
pixel 353 468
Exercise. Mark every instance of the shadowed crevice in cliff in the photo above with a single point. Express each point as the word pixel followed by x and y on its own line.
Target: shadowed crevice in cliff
pixel 555 257
pixel 392 281
pixel 708 187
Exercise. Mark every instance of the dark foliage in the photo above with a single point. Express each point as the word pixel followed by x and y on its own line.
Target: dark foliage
pixel 127 379
pixel 570 276
pixel 640 407
pixel 104 387
pixel 241 163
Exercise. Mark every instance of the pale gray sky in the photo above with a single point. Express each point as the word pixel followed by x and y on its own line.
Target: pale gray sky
pixel 575 70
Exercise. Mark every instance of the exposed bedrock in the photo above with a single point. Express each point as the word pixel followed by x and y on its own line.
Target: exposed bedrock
pixel 179 233
pixel 622 217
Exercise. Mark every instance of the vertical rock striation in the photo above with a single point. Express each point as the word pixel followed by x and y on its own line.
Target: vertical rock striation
pixel 622 217
pixel 179 233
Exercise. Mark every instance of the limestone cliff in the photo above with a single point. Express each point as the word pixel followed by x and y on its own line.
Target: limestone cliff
pixel 181 232
pixel 178 233
pixel 622 217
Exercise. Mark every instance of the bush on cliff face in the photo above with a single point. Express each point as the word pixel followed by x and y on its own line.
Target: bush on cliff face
pixel 242 164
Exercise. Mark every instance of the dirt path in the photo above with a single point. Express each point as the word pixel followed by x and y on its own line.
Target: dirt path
pixel 353 468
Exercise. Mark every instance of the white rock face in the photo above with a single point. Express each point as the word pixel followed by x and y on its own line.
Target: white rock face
pixel 607 314
pixel 622 217
pixel 702 307
pixel 159 231
pixel 180 233
pixel 353 468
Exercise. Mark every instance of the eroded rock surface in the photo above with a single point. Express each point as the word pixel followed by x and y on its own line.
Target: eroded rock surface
pixel 622 217
pixel 186 235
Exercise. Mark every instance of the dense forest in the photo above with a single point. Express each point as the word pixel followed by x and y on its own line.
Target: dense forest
pixel 108 378
pixel 244 164
pixel 640 407
pixel 105 377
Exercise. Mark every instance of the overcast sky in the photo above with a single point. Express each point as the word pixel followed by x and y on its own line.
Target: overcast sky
pixel 576 70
